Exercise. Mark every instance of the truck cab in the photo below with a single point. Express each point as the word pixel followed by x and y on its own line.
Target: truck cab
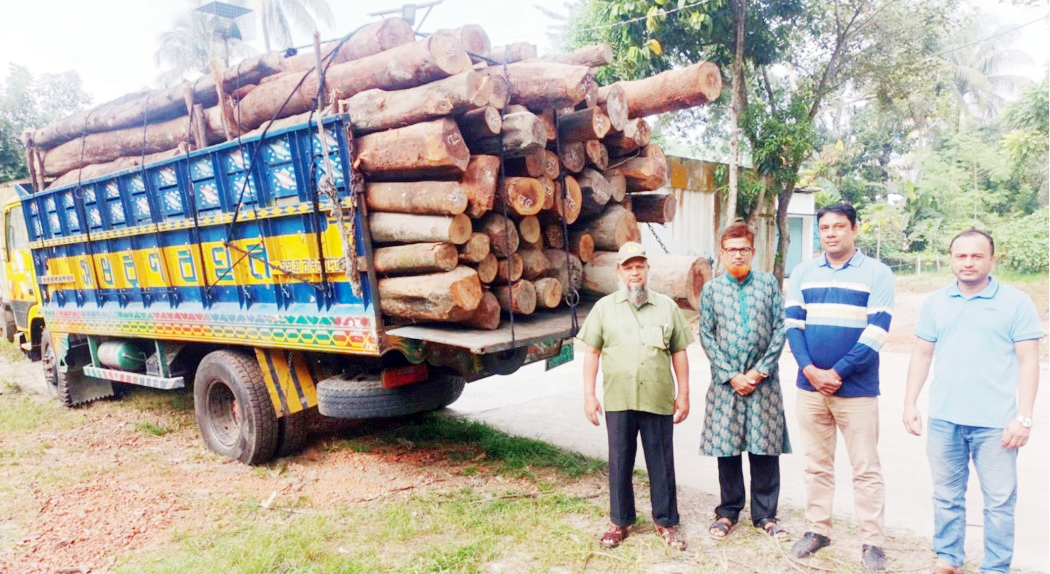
pixel 19 296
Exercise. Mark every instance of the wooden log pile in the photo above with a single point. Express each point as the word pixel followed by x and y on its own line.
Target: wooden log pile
pixel 489 189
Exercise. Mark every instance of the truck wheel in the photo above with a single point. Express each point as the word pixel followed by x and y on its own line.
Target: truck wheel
pixel 233 408
pixel 55 378
pixel 291 433
pixel 8 329
pixel 365 398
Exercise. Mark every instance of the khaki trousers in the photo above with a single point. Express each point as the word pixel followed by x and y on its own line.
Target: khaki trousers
pixel 858 420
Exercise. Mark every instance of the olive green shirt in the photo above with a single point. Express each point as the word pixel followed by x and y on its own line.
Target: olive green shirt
pixel 636 346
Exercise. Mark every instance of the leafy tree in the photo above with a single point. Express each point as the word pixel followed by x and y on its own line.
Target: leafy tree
pixel 982 62
pixel 1027 144
pixel 28 102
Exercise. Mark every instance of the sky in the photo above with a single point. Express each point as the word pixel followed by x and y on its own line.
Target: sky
pixel 110 43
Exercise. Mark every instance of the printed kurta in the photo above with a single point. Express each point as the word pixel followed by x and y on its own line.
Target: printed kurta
pixel 742 328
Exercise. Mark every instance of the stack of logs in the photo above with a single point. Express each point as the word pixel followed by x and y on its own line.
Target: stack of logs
pixel 489 187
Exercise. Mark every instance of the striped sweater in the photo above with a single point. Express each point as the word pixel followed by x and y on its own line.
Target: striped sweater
pixel 838 319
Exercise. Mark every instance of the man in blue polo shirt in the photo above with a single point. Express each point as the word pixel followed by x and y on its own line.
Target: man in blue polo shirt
pixel 984 338
pixel 838 312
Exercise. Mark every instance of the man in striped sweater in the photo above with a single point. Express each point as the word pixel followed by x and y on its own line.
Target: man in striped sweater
pixel 838 313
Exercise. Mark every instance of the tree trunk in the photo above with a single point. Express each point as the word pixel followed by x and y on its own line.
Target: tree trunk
pixel 449 296
pixel 735 112
pixel 551 165
pixel 529 229
pixel 514 52
pixel 613 101
pixel 635 135
pixel 566 268
pixel 532 164
pixel 520 297
pixel 484 122
pixel 375 110
pixel 597 154
pixel 93 171
pixel 499 91
pixel 573 156
pixel 475 249
pixel 523 195
pixel 428 149
pixel 618 185
pixel 581 244
pixel 418 197
pixel 534 262
pixel 614 227
pixel 592 56
pixel 654 207
pixel 548 292
pixel 479 183
pixel 542 85
pixel 415 258
pixel 583 125
pixel 474 38
pixel 486 316
pixel 368 40
pixel 550 191
pixel 503 237
pixel 784 237
pixel 487 268
pixel 511 268
pixel 648 171
pixel 403 228
pixel 596 192
pixel 523 133
pixel 569 202
pixel 680 277
pixel 673 90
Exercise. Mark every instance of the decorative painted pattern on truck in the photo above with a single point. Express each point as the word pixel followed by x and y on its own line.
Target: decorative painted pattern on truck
pixel 208 248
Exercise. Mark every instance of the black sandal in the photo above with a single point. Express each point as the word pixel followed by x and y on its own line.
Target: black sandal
pixel 773 529
pixel 720 528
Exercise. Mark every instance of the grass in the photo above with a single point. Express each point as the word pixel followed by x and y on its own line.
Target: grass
pixel 9 351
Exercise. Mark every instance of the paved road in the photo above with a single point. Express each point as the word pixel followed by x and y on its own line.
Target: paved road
pixel 549 406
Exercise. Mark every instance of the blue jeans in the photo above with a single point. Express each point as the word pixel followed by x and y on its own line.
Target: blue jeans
pixel 950 448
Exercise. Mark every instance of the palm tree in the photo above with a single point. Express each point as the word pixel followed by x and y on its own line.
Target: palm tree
pixel 983 63
pixel 280 18
pixel 185 51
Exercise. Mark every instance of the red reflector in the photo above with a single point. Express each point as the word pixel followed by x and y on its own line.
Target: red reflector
pixel 401 376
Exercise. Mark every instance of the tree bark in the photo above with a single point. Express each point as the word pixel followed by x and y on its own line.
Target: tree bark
pixel 654 207
pixel 429 149
pixel 592 56
pixel 583 125
pixel 648 171
pixel 522 133
pixel 486 316
pixel 734 114
pixel 449 296
pixel 514 52
pixel 614 227
pixel 534 262
pixel 366 41
pixel 474 38
pixel 403 228
pixel 89 172
pixel 479 183
pixel 673 90
pixel 680 277
pixel 618 185
pixel 635 135
pixel 503 237
pixel 548 292
pixel 596 192
pixel 418 197
pixel 613 101
pixel 375 110
pixel 542 85
pixel 415 258
pixel 475 249
pixel 520 297
pixel 484 122
pixel 597 154
pixel 532 164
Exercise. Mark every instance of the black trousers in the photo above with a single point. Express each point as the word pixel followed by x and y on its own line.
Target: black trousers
pixel 657 432
pixel 765 486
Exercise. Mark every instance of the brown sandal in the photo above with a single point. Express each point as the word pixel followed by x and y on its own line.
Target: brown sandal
pixel 773 529
pixel 614 536
pixel 671 537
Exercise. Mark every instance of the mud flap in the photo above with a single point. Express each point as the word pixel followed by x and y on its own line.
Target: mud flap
pixel 84 389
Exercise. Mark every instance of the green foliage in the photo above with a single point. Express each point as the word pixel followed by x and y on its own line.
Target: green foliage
pixel 1022 244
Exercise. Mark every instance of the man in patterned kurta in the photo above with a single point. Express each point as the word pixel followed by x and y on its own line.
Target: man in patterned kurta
pixel 742 331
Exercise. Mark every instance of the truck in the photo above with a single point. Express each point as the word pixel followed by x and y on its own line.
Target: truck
pixel 242 269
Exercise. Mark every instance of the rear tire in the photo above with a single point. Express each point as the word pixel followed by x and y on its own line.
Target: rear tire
pixel 366 398
pixel 56 378
pixel 292 432
pixel 8 328
pixel 233 408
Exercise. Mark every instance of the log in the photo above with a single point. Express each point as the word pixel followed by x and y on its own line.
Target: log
pixel 449 296
pixel 89 172
pixel 648 171
pixel 680 277
pixel 547 117
pixel 596 192
pixel 592 56
pixel 522 133
pixel 529 229
pixel 583 125
pixel 486 316
pixel 514 52
pixel 404 228
pixel 532 164
pixel 475 249
pixel 435 57
pixel 479 183
pixel 614 227
pixel 519 297
pixel 569 202
pixel 487 268
pixel 522 195
pixel 551 165
pixel 484 122
pixel 499 91
pixel 673 90
pixel 534 262
pixel 375 110
pixel 542 85
pixel 368 40
pixel 474 39
pixel 503 237
pixel 433 149
pixel 548 292
pixel 415 258
pixel 550 190
pixel 597 154
pixel 613 101
pixel 554 236
pixel 581 244
pixel 573 156
pixel 566 268
pixel 618 184
pixel 419 197
pixel 511 268
pixel 654 207
pixel 635 135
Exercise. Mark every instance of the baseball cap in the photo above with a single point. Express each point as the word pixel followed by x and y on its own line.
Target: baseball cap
pixel 630 250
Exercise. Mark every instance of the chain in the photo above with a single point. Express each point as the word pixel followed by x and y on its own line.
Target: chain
pixel 662 246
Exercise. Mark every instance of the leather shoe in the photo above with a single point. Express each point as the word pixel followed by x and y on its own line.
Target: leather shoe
pixel 808 544
pixel 614 536
pixel 942 567
pixel 873 558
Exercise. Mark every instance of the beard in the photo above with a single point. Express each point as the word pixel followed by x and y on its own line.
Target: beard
pixel 738 272
pixel 638 296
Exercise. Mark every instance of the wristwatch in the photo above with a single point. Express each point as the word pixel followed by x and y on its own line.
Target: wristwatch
pixel 1026 422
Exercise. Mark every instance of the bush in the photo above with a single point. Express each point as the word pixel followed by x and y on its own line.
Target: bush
pixel 1023 245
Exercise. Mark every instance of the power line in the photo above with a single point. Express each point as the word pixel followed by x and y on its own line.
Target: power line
pixel 992 37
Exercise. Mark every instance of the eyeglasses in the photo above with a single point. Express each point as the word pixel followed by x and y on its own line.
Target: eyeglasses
pixel 738 250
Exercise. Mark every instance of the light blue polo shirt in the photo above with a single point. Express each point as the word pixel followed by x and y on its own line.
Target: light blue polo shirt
pixel 975 363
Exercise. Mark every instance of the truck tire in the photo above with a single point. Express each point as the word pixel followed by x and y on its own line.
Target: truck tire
pixel 233 408
pixel 8 328
pixel 292 431
pixel 365 398
pixel 55 378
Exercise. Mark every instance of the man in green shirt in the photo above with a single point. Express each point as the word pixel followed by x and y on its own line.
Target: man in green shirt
pixel 638 336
